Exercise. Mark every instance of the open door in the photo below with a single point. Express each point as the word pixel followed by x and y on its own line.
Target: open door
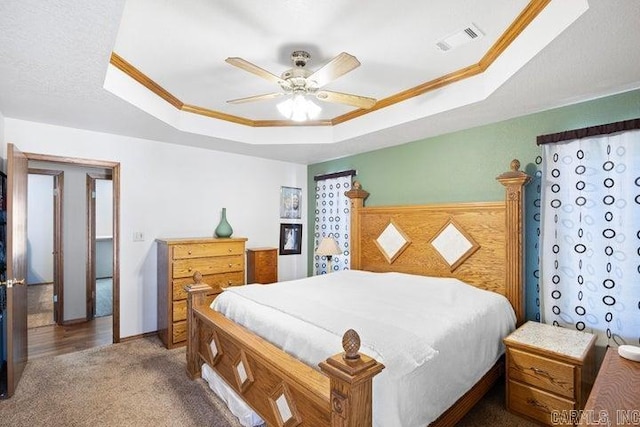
pixel 93 258
pixel 17 350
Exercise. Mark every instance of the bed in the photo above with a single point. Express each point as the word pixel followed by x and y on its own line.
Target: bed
pixel 463 245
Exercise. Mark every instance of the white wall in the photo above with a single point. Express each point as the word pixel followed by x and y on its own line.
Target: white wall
pixel 40 229
pixel 2 134
pixel 169 190
pixel 104 211
pixel 104 228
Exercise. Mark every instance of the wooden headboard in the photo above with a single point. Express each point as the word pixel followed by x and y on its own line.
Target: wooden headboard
pixel 490 234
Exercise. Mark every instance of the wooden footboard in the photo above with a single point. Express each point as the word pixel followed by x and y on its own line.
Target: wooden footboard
pixel 280 388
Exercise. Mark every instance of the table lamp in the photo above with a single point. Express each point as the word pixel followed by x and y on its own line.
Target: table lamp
pixel 328 247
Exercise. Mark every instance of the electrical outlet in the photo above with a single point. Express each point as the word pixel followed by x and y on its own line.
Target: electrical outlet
pixel 138 236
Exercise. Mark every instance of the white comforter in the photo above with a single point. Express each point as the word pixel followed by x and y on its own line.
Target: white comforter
pixel 436 336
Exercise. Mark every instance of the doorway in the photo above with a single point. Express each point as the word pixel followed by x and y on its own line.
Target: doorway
pixel 17 350
pixel 44 248
pixel 76 299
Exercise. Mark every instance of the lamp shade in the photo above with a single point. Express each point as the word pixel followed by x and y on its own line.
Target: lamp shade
pixel 328 246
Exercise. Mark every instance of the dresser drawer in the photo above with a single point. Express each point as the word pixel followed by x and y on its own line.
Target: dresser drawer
pixel 207 266
pixel 179 331
pixel 179 310
pixel 224 280
pixel 207 249
pixel 536 403
pixel 546 374
pixel 216 281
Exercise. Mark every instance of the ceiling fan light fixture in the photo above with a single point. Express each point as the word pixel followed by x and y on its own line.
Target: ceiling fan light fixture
pixel 300 84
pixel 299 109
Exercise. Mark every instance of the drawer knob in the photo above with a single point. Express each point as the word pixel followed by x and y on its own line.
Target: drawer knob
pixel 230 265
pixel 189 252
pixel 230 250
pixel 189 269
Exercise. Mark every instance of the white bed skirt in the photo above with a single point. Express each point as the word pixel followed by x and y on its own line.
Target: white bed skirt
pixel 237 406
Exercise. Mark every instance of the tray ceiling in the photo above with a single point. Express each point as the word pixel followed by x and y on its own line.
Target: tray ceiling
pixel 177 51
pixel 55 67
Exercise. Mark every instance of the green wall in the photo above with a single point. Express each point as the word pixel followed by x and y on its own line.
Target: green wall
pixel 462 166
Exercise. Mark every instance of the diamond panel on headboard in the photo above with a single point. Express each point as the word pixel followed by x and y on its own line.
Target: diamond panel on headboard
pixel 392 242
pixel 453 244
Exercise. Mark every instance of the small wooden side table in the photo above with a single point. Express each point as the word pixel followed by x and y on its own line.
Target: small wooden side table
pixel 262 265
pixel 615 397
pixel 549 372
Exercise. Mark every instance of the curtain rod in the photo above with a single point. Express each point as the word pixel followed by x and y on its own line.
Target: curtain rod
pixel 350 172
pixel 589 131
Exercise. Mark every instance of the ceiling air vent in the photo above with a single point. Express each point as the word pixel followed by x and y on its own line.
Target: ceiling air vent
pixel 459 38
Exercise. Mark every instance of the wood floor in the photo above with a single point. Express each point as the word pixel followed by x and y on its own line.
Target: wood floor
pixel 54 340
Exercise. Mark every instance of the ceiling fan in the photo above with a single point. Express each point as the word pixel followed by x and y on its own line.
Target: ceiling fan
pixel 300 81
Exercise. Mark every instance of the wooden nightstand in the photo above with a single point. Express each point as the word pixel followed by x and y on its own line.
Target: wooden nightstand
pixel 262 265
pixel 549 371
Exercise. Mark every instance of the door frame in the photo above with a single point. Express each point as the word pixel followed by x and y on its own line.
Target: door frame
pixel 91 241
pixel 115 174
pixel 58 255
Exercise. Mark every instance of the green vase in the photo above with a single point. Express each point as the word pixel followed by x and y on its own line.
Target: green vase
pixel 224 228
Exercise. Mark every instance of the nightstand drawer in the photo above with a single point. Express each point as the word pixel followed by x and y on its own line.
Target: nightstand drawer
pixel 547 374
pixel 207 250
pixel 535 403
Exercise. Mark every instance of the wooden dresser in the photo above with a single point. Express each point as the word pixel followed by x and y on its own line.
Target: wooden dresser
pixel 262 265
pixel 615 398
pixel 221 263
pixel 549 372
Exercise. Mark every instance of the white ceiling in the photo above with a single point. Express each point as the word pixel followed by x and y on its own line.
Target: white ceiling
pixel 54 58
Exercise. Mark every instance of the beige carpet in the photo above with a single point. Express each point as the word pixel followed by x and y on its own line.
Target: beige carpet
pixel 140 383
pixel 490 411
pixel 39 305
pixel 137 383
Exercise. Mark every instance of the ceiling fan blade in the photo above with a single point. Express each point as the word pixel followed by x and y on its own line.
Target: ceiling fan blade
pixel 252 68
pixel 255 98
pixel 346 98
pixel 338 66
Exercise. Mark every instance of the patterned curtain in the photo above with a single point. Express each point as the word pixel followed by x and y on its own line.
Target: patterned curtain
pixel 590 242
pixel 532 245
pixel 333 215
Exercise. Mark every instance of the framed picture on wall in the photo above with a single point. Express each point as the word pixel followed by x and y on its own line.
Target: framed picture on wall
pixel 290 202
pixel 290 239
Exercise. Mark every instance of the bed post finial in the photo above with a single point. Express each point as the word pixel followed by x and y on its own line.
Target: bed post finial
pixel 196 294
pixel 351 345
pixel 514 181
pixel 351 376
pixel 357 196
